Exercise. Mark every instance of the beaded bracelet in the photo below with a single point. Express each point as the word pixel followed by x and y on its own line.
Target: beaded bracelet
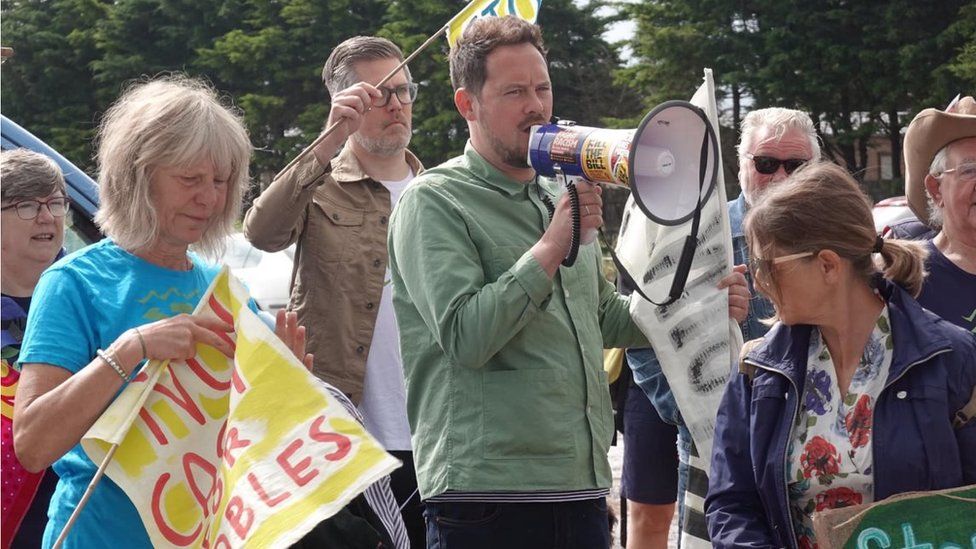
pixel 111 361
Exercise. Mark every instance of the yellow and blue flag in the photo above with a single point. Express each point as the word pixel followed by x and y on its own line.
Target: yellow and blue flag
pixel 524 9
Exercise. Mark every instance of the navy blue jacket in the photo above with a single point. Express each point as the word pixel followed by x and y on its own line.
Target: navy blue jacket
pixel 932 375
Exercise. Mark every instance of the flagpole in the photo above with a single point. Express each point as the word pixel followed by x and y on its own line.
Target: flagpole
pixel 84 499
pixel 331 129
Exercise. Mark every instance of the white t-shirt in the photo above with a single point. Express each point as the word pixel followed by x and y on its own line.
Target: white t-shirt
pixel 384 404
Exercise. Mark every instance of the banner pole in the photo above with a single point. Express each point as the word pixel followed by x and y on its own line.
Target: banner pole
pixel 84 499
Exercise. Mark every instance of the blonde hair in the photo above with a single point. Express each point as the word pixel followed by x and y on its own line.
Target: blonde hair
pixel 821 207
pixel 168 121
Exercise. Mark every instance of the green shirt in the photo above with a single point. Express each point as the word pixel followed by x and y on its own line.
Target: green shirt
pixel 505 384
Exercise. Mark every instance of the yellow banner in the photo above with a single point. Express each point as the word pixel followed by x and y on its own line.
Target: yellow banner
pixel 244 452
pixel 525 9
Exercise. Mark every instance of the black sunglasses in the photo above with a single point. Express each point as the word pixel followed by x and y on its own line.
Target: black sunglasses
pixel 767 165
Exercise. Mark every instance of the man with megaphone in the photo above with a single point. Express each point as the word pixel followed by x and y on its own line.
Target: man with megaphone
pixel 502 345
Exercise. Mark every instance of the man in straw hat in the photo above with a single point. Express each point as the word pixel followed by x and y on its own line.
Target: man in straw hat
pixel 940 167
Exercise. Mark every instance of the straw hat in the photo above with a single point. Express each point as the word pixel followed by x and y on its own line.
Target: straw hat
pixel 931 130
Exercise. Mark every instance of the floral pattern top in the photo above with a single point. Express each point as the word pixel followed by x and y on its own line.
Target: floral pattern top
pixel 830 458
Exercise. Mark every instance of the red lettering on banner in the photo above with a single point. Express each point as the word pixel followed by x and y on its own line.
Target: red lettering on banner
pixel 168 532
pixel 221 311
pixel 238 381
pixel 295 470
pixel 184 401
pixel 342 442
pixel 232 443
pixel 190 460
pixel 153 427
pixel 205 376
pixel 222 541
pixel 270 502
pixel 218 495
pixel 239 517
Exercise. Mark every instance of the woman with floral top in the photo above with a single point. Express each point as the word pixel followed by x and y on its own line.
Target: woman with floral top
pixel 850 397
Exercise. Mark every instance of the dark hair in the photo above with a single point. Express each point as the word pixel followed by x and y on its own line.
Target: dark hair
pixel 469 55
pixel 821 207
pixel 339 71
pixel 27 174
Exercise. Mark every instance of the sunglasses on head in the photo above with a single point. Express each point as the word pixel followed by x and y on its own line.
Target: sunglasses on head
pixel 767 165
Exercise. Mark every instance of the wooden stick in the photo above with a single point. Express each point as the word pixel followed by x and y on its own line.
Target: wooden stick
pixel 328 131
pixel 84 499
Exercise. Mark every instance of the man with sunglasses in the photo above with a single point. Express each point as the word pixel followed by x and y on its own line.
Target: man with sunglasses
pixel 335 204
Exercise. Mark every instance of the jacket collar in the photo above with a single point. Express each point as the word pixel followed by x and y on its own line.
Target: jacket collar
pixel 490 175
pixel 737 212
pixel 347 169
pixel 916 334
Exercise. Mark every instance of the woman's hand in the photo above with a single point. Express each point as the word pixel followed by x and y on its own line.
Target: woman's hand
pixel 293 335
pixel 738 293
pixel 173 338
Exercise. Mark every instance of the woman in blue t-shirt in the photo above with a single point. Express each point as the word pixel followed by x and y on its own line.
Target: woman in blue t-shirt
pixel 173 165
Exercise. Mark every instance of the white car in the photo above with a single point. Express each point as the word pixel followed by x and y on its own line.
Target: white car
pixel 265 274
pixel 890 211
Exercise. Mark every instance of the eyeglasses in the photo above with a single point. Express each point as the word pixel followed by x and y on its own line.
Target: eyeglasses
pixel 405 94
pixel 966 172
pixel 763 265
pixel 29 209
pixel 767 165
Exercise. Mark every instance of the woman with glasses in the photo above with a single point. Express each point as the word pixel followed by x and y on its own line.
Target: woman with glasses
pixel 34 204
pixel 173 164
pixel 851 396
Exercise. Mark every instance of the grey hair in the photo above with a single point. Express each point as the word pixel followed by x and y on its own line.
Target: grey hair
pixel 169 121
pixel 936 168
pixel 27 174
pixel 339 71
pixel 781 121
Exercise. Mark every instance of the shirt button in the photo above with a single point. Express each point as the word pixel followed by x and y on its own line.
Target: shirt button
pixel 377 262
pixel 383 220
pixel 376 185
pixel 902 394
pixel 335 217
pixel 369 306
pixel 360 349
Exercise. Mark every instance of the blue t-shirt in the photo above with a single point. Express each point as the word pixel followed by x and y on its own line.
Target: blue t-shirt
pixel 949 291
pixel 83 303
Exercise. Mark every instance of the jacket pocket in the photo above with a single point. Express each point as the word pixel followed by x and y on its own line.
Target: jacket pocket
pixel 333 230
pixel 527 415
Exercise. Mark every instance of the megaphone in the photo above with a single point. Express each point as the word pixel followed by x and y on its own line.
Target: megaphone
pixel 670 162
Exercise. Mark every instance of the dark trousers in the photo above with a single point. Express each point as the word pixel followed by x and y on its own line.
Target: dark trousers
pixel 403 482
pixel 568 525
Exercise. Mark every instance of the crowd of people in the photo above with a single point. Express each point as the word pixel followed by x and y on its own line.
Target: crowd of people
pixel 434 301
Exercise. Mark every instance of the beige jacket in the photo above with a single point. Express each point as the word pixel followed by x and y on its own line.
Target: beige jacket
pixel 339 220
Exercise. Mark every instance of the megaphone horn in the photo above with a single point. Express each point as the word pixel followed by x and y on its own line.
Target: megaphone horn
pixel 669 161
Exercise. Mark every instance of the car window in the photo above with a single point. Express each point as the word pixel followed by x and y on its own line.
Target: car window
pixel 79 230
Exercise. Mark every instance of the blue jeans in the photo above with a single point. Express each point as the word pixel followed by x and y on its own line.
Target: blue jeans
pixel 650 378
pixel 574 524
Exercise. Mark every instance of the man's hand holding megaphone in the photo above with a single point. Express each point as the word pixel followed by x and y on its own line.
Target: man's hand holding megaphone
pixel 555 243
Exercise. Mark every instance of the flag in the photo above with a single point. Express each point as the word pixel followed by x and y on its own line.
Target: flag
pixel 251 451
pixel 525 9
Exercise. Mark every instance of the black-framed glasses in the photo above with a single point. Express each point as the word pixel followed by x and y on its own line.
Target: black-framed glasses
pixel 767 165
pixel 29 209
pixel 405 94
pixel 965 171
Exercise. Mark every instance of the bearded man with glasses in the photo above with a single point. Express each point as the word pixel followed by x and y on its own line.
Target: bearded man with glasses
pixel 336 208
pixel 940 182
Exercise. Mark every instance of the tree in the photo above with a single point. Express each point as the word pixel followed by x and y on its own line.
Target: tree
pixel 48 85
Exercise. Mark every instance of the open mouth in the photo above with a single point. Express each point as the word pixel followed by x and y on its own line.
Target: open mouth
pixel 43 237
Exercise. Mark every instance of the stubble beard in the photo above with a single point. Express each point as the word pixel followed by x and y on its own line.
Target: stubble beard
pixel 387 145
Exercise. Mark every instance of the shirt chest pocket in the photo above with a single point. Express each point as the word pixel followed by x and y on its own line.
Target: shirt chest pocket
pixel 334 231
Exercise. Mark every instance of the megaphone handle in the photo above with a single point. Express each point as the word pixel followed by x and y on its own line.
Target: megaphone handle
pixel 574 242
